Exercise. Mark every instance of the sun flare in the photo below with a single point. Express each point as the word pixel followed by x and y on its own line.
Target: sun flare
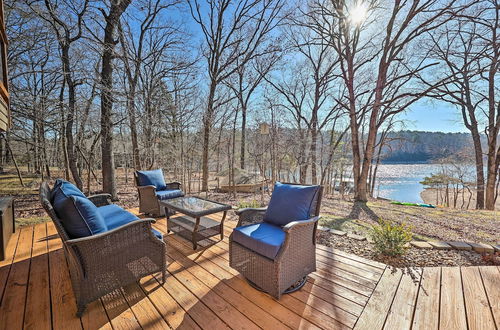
pixel 357 14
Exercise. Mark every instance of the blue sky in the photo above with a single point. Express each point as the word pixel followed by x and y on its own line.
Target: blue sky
pixel 433 116
pixel 425 115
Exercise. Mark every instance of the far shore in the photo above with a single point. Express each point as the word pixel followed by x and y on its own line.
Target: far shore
pixel 428 195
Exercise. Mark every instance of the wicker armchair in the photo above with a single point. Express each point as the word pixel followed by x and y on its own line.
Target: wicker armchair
pixel 296 258
pixel 103 262
pixel 148 198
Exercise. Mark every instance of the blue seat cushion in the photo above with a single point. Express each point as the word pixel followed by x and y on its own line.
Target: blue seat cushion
pixel 169 193
pixel 152 178
pixel 290 203
pixel 115 216
pixel 262 238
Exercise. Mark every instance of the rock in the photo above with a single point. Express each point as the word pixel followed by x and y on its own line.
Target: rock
pixel 338 232
pixel 356 237
pixel 482 248
pixel 421 245
pixel 497 248
pixel 440 245
pixel 323 228
pixel 407 245
pixel 460 246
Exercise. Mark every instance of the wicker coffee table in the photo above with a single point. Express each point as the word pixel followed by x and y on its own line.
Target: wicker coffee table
pixel 194 225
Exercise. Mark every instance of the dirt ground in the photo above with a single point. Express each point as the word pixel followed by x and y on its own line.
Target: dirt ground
pixel 438 224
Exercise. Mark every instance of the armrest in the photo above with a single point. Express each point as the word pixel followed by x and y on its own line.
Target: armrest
pixel 173 185
pixel 248 209
pixel 294 224
pixel 250 215
pixel 100 199
pixel 300 237
pixel 142 188
pixel 114 248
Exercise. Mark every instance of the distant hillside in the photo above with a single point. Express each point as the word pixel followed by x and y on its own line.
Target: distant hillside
pixel 418 146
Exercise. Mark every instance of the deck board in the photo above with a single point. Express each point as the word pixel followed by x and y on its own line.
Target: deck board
pixel 202 292
pixel 476 302
pixel 37 310
pixel 491 281
pixel 14 298
pixel 452 308
pixel 377 308
pixel 426 315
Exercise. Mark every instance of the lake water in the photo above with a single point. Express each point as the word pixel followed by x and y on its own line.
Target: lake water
pixel 401 182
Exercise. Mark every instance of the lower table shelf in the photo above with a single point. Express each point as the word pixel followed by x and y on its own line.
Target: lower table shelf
pixel 185 226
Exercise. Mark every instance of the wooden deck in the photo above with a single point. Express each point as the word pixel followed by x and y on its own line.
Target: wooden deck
pixel 202 291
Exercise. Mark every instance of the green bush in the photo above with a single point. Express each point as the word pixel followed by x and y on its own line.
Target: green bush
pixel 248 204
pixel 390 237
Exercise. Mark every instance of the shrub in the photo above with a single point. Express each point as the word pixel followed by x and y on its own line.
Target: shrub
pixel 248 204
pixel 390 237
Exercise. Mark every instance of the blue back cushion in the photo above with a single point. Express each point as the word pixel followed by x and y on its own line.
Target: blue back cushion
pixel 78 215
pixel 290 203
pixel 152 178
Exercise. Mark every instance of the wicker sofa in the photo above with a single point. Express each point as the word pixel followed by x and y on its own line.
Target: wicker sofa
pixel 101 262
pixel 276 255
pixel 152 188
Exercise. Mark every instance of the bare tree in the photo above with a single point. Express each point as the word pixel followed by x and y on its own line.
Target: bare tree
pixel 136 50
pixel 68 29
pixel 379 69
pixel 469 51
pixel 232 32
pixel 116 9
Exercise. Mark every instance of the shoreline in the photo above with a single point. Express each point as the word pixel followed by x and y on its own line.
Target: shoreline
pixel 430 195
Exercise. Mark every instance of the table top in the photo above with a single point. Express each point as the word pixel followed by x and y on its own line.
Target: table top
pixel 194 206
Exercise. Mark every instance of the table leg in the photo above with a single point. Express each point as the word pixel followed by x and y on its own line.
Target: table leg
pixel 222 225
pixel 167 219
pixel 195 231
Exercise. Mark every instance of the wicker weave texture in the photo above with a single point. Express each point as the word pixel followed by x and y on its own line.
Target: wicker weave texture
pixel 102 263
pixel 295 260
pixel 148 202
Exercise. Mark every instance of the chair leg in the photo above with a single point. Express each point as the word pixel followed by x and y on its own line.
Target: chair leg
pixel 163 277
pixel 80 310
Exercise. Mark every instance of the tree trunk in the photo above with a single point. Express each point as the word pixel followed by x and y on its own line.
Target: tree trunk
pixel 207 123
pixel 70 145
pixel 314 142
pixel 243 136
pixel 133 128
pixel 108 166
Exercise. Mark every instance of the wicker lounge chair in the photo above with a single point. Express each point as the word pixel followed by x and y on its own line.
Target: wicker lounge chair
pixel 276 253
pixel 152 188
pixel 105 261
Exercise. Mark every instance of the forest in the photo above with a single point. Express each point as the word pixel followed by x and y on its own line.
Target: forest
pixel 301 91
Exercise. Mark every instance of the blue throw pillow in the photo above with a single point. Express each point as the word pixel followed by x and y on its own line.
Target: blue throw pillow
pixel 80 217
pixel 290 203
pixel 152 178
pixel 63 189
